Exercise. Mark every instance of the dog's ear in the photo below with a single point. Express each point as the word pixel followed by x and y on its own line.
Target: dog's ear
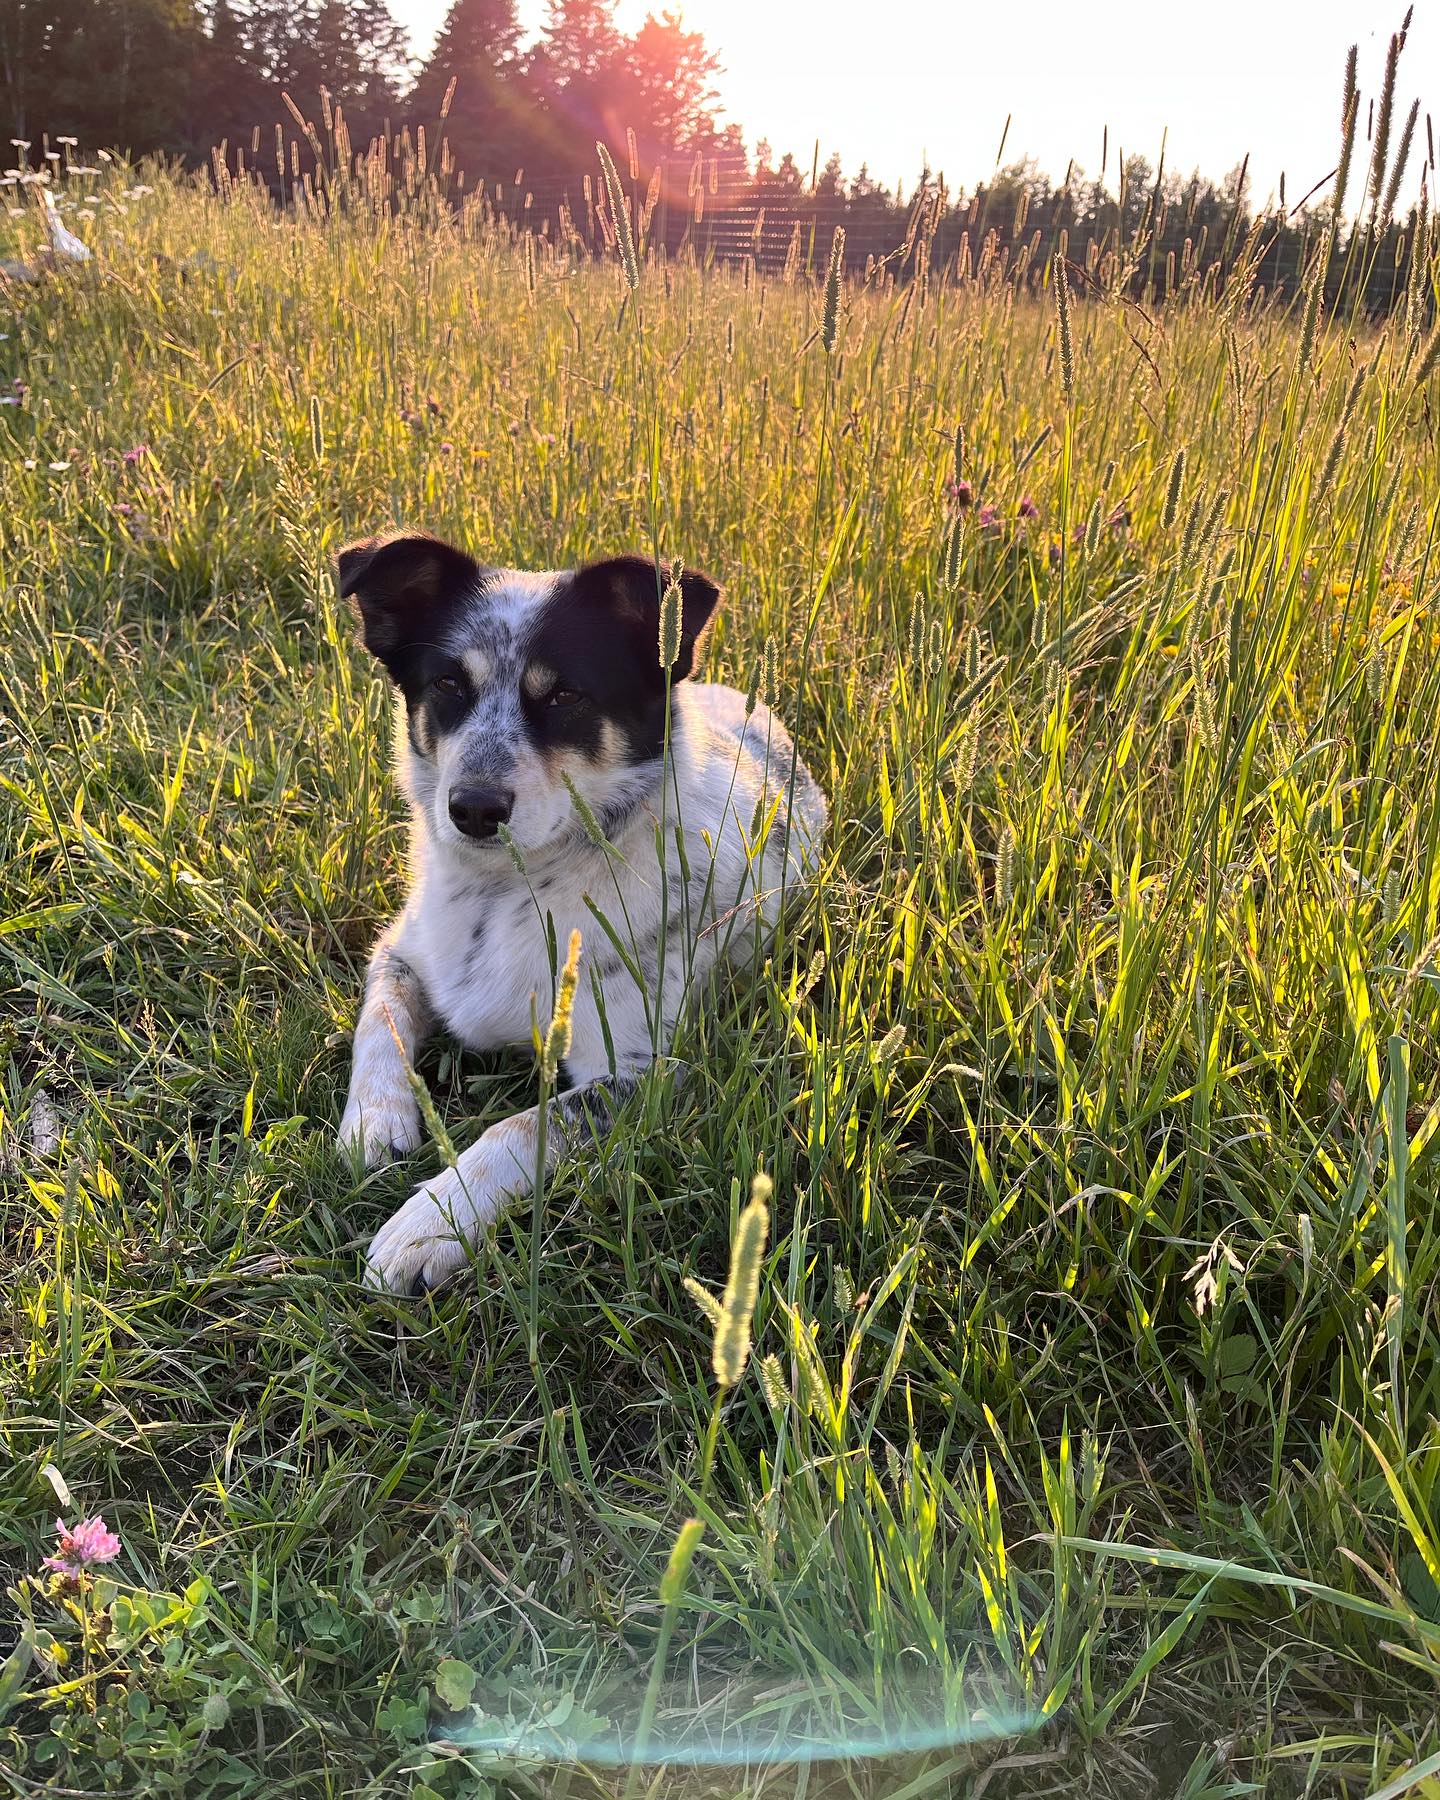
pixel 403 589
pixel 633 587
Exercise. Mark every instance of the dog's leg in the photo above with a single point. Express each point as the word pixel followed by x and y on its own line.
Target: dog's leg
pixel 427 1239
pixel 381 1116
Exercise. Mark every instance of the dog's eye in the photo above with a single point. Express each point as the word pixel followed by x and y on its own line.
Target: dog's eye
pixel 563 696
pixel 448 685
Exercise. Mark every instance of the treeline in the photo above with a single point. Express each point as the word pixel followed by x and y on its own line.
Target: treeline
pixel 181 76
pixel 206 79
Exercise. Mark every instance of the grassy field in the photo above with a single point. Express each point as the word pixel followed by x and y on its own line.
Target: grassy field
pixel 1097 1080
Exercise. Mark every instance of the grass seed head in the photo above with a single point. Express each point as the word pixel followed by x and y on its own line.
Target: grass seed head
pixel 772 1380
pixel 672 1582
pixel 586 813
pixel 1205 720
pixel 1005 861
pixel 1349 117
pixel 1174 489
pixel 1062 323
pixel 703 1298
pixel 670 619
pixel 830 316
pixel 620 217
pixel 742 1289
pixel 557 1038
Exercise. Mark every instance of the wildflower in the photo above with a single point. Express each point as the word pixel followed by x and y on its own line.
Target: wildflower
pixel 123 509
pixel 989 518
pixel 72 141
pixel 446 449
pixel 1056 552
pixel 960 493
pixel 135 454
pixel 82 1546
pixel 1028 509
pixel 547 437
pixel 9 399
pixel 59 468
pixel 20 387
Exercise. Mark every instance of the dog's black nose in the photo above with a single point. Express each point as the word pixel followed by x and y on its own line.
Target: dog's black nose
pixel 480 811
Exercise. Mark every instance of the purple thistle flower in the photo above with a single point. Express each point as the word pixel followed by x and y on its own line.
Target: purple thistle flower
pixel 1028 508
pixel 961 493
pixel 445 449
pixel 123 508
pixel 988 518
pixel 137 453
pixel 82 1546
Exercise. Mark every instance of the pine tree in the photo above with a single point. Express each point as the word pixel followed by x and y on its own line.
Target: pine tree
pixel 478 49
pixel 570 74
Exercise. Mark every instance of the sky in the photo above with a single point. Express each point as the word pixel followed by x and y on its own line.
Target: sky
pixel 898 82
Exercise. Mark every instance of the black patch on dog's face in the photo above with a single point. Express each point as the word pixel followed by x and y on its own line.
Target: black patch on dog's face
pixel 407 591
pixel 599 638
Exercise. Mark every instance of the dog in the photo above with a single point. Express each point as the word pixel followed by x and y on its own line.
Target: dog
pixel 559 765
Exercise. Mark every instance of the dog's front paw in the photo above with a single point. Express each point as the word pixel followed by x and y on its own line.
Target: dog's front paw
pixel 380 1127
pixel 418 1246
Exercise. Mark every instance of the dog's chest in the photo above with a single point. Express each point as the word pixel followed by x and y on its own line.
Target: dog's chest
pixel 481 951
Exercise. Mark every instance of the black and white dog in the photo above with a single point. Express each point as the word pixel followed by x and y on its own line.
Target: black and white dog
pixel 553 768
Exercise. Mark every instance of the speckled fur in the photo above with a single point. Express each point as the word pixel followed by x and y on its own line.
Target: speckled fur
pixel 470 948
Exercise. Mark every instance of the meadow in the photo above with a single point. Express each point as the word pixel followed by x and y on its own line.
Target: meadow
pixel 1089 1437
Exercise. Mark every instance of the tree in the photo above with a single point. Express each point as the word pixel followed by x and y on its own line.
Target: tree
pixel 87 68
pixel 667 96
pixel 478 50
pixel 569 73
pixel 257 49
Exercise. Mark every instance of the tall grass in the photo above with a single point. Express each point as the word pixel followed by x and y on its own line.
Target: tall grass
pixel 1090 1430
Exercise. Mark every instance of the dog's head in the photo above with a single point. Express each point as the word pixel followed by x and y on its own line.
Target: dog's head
pixel 513 682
